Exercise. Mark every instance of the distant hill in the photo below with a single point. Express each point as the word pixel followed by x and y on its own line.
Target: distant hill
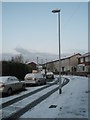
pixel 30 56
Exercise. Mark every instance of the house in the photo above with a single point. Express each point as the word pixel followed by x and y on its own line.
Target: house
pixel 84 63
pixel 0 68
pixel 32 66
pixel 68 64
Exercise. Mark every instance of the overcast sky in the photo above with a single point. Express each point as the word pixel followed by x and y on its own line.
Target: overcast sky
pixel 34 27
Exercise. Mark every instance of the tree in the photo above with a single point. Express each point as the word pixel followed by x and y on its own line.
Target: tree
pixel 51 67
pixel 10 68
pixel 18 59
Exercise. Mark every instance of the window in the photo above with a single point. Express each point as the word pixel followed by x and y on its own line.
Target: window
pixel 87 59
pixel 62 69
pixel 83 68
pixel 72 69
pixel 9 80
pixel 82 60
pixel 75 69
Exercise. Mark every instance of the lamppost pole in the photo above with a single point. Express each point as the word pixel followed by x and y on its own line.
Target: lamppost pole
pixel 37 63
pixel 60 87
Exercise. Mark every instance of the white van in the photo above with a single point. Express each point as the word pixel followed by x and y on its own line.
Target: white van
pixel 35 78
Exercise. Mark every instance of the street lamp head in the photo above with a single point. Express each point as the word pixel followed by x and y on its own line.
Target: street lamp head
pixel 56 11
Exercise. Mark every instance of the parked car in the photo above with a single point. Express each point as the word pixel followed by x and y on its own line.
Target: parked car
pixel 8 84
pixel 35 78
pixel 49 75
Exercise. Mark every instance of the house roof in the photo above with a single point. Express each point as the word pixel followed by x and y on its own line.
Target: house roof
pixel 31 63
pixel 64 58
pixel 85 55
pixel 71 56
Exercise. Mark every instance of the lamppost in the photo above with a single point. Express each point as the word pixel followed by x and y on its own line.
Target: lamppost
pixel 37 65
pixel 58 11
pixel 46 67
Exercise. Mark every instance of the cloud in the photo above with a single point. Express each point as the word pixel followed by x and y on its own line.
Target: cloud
pixel 31 55
pixel 74 51
pixel 21 50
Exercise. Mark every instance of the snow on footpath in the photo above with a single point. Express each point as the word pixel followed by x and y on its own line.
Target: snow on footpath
pixel 72 103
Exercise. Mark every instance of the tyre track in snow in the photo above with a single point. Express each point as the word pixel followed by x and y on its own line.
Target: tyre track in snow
pixel 3 105
pixel 30 105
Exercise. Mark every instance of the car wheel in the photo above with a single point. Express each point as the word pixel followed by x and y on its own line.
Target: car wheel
pixel 23 87
pixel 9 91
pixel 39 83
pixel 45 83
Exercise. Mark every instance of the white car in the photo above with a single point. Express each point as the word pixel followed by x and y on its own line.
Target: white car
pixel 8 84
pixel 49 75
pixel 35 78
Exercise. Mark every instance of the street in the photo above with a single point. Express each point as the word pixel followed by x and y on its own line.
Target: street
pixel 19 105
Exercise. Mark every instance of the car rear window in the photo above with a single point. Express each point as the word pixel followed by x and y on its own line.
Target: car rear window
pixel 31 76
pixel 38 76
pixel 49 73
pixel 3 79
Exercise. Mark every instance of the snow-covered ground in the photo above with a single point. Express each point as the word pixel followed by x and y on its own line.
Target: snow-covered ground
pixel 72 103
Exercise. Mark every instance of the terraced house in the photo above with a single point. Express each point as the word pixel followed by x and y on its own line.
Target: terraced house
pixel 68 64
pixel 84 63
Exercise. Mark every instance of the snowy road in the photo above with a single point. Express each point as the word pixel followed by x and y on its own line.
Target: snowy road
pixel 23 104
pixel 4 102
pixel 16 107
pixel 72 103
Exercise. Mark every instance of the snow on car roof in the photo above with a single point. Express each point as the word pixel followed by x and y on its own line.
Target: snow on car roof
pixel 49 73
pixel 4 78
pixel 33 75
